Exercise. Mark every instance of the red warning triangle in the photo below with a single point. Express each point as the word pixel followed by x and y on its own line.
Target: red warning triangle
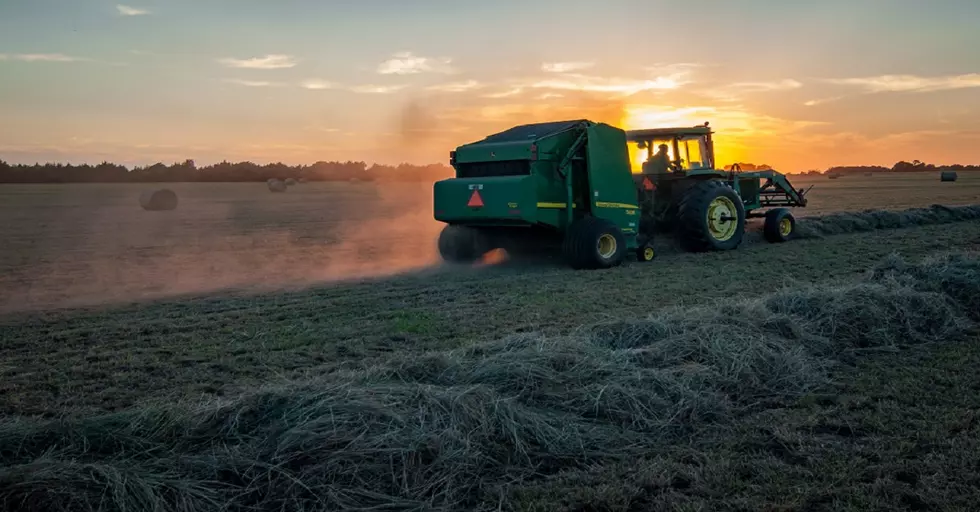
pixel 647 184
pixel 475 200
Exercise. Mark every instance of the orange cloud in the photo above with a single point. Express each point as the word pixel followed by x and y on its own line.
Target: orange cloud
pixel 911 83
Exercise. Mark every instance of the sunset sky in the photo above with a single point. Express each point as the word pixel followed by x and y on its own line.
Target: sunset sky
pixel 797 85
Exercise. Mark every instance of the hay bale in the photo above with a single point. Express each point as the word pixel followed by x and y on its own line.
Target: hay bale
pixel 947 176
pixel 276 186
pixel 158 200
pixel 290 182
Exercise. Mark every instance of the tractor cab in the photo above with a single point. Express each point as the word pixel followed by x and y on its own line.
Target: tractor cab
pixel 671 150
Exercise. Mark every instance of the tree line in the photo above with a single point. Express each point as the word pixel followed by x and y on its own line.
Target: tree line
pixel 843 170
pixel 188 171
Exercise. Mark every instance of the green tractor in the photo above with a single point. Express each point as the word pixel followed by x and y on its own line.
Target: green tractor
pixel 568 187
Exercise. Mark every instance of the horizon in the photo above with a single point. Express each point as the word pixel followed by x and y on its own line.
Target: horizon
pixel 796 87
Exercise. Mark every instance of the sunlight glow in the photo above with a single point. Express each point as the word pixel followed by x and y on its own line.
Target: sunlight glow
pixel 728 127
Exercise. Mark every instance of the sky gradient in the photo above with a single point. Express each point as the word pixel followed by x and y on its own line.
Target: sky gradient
pixel 797 85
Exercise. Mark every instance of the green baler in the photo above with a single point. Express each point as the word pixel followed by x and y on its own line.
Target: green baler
pixel 569 186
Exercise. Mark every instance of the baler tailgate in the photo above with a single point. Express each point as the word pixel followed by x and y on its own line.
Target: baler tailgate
pixel 489 200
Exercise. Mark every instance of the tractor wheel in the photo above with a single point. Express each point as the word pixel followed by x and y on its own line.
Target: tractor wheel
pixel 461 244
pixel 593 243
pixel 780 225
pixel 710 217
pixel 645 253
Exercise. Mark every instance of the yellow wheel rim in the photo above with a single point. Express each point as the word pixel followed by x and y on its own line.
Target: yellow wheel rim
pixel 785 227
pixel 648 253
pixel 607 245
pixel 722 218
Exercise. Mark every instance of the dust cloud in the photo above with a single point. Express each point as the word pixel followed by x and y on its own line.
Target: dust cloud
pixel 90 245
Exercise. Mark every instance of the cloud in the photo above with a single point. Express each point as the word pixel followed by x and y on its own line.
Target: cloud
pixel 468 85
pixel 660 77
pixel 565 67
pixel 732 122
pixel 266 62
pixel 910 83
pixel 505 94
pixel 317 85
pixel 573 82
pixel 821 101
pixel 733 92
pixel 780 85
pixel 407 63
pixel 41 57
pixel 377 89
pixel 125 10
pixel 253 83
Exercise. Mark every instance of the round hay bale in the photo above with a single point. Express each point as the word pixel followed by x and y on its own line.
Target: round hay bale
pixel 947 176
pixel 158 200
pixel 276 186
pixel 290 182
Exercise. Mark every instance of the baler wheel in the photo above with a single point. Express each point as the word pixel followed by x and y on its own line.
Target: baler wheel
pixel 461 244
pixel 593 243
pixel 780 225
pixel 710 217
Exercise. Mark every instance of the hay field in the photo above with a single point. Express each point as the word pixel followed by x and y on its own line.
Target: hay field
pixel 76 245
pixel 831 373
pixel 854 193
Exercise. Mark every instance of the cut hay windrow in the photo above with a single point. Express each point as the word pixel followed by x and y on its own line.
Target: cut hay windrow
pixel 463 430
pixel 870 220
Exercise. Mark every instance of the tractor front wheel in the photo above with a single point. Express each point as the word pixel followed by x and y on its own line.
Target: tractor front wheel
pixel 710 217
pixel 780 225
pixel 461 244
pixel 645 253
pixel 593 243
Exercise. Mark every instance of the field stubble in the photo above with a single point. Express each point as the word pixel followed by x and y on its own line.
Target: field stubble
pixel 624 415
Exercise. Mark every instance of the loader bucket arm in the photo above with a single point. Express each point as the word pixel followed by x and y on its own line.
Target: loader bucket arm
pixel 778 191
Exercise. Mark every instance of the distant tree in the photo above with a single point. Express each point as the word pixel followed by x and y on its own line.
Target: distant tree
pixel 224 171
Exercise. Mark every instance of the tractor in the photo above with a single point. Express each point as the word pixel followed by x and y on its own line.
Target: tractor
pixel 569 187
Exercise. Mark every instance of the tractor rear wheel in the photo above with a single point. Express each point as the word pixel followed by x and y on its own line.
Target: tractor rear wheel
pixel 593 243
pixel 461 244
pixel 780 225
pixel 710 217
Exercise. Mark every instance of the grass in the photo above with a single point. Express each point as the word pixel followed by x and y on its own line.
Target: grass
pixel 493 424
